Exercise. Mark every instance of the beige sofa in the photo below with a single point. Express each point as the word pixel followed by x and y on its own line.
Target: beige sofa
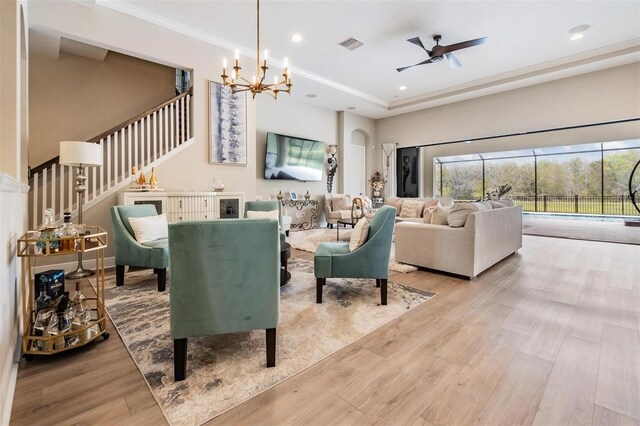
pixel 486 238
pixel 396 202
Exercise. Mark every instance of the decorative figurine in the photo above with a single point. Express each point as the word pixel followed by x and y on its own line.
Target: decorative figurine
pixel 153 179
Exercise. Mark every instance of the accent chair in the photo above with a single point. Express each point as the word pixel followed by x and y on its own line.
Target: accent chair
pixel 225 278
pixel 129 252
pixel 266 206
pixel 371 260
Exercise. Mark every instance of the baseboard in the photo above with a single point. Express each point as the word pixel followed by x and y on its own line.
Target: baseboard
pixel 109 262
pixel 9 382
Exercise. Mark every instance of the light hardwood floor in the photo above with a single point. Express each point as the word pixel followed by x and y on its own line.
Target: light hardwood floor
pixel 548 336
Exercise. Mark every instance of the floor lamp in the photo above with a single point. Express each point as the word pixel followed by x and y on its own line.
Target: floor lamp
pixel 80 155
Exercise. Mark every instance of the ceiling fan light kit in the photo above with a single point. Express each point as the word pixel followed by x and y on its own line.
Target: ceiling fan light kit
pixel 439 52
pixel 238 83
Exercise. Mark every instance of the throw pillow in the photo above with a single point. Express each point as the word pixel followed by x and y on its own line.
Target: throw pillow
pixel 460 211
pixel 429 203
pixel 340 203
pixel 411 208
pixel 270 214
pixel 359 234
pixel 149 228
pixel 427 213
pixel 498 204
pixel 394 202
pixel 439 215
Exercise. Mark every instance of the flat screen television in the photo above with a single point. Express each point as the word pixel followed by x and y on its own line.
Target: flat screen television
pixel 292 158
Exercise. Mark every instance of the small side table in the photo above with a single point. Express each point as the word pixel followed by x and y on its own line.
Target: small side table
pixel 344 222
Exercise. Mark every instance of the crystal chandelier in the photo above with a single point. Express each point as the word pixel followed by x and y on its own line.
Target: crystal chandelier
pixel 238 83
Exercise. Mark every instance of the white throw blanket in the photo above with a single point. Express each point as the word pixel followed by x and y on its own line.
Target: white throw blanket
pixel 309 241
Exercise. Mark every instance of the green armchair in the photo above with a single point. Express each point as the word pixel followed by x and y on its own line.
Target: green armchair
pixel 225 278
pixel 371 260
pixel 266 206
pixel 129 252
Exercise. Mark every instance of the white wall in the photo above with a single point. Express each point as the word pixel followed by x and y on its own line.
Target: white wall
pixel 606 95
pixel 122 33
pixel 292 118
pixel 13 201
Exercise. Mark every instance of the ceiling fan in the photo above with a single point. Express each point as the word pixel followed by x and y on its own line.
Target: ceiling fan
pixel 439 52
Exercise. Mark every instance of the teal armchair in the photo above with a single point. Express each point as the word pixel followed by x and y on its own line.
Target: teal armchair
pixel 371 260
pixel 129 252
pixel 266 206
pixel 225 278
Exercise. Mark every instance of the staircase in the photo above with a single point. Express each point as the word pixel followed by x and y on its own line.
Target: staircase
pixel 144 141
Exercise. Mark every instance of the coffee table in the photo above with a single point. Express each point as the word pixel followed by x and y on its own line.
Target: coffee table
pixel 345 222
pixel 285 254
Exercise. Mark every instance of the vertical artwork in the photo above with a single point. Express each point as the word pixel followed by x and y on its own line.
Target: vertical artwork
pixel 227 126
pixel 407 172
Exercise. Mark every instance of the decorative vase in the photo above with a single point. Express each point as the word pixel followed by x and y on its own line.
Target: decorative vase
pixel 307 195
pixel 153 180
pixel 376 194
pixel 280 197
pixel 218 185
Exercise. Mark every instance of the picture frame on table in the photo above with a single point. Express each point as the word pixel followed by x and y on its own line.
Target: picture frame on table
pixel 293 196
pixel 227 126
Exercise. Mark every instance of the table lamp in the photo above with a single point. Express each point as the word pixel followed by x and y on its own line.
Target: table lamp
pixel 81 155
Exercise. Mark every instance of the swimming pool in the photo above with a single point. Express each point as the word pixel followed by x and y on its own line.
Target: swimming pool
pixel 571 216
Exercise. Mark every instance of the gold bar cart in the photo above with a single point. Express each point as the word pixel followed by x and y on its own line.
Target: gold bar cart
pixel 30 248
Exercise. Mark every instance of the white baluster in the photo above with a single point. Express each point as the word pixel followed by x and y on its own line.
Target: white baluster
pixel 173 124
pixel 45 184
pixel 122 147
pixel 61 186
pixel 102 169
pixel 36 193
pixel 130 146
pixel 183 118
pixel 155 135
pixel 148 141
pixel 115 158
pixel 53 189
pixel 93 182
pixel 142 144
pixel 108 162
pixel 135 144
pixel 188 113
pixel 167 139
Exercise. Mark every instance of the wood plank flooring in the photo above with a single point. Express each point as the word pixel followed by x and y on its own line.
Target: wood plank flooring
pixel 548 336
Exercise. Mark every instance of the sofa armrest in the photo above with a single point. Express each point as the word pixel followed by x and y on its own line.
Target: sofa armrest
pixel 435 246
pixel 498 233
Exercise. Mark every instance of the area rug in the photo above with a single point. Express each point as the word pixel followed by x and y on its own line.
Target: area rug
pixel 309 241
pixel 226 370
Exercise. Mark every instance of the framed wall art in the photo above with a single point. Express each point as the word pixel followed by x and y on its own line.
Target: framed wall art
pixel 227 126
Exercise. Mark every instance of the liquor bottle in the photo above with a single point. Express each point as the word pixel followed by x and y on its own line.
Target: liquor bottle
pixel 142 181
pixel 153 179
pixel 43 301
pixel 78 299
pixel 134 178
pixel 67 231
pixel 62 302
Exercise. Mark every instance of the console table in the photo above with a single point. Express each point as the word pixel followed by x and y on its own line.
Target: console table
pixel 309 210
pixel 189 205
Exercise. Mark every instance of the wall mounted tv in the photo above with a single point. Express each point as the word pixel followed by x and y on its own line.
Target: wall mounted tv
pixel 292 158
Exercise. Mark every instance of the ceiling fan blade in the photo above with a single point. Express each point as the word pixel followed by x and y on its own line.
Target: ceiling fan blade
pixel 461 45
pixel 428 61
pixel 453 61
pixel 418 42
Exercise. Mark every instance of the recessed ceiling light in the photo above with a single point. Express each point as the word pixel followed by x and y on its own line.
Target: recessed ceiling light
pixel 579 29
pixel 351 108
pixel 311 95
pixel 402 87
pixel 297 38
pixel 467 141
pixel 578 32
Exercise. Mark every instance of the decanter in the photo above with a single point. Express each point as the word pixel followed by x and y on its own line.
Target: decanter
pixel 48 231
pixel 68 231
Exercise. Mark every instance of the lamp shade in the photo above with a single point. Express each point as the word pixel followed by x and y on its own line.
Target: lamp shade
pixel 80 153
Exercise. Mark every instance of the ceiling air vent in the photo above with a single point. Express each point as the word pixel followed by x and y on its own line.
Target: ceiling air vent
pixel 351 43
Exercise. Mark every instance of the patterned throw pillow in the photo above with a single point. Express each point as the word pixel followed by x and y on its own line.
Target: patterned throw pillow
pixel 429 203
pixel 439 216
pixel 427 213
pixel 394 202
pixel 359 234
pixel 411 208
pixel 340 203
